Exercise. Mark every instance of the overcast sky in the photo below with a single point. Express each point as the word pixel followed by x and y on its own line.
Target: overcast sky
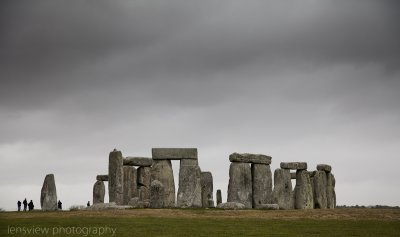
pixel 315 81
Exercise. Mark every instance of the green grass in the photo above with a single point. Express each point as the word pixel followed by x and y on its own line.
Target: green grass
pixel 178 226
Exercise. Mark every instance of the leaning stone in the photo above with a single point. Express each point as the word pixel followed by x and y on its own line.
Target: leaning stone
pixel 136 203
pixel 144 182
pixel 103 177
pixel 219 197
pixel 130 183
pixel 240 184
pixel 162 171
pixel 48 194
pixel 138 161
pixel 268 207
pixel 294 165
pixel 115 176
pixel 330 191
pixel 206 189
pixel 283 194
pixel 324 167
pixel 262 184
pixel 174 153
pixel 303 191
pixel 157 194
pixel 99 191
pixel 250 158
pixel 189 191
pixel 293 175
pixel 319 189
pixel 231 206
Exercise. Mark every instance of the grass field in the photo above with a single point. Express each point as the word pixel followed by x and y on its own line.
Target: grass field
pixel 200 222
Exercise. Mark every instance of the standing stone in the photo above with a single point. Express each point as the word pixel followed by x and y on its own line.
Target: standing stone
pixel 130 183
pixel 219 197
pixel 48 194
pixel 283 194
pixel 144 182
pixel 330 190
pixel 240 184
pixel 115 177
pixel 303 191
pixel 206 189
pixel 162 171
pixel 189 191
pixel 262 184
pixel 157 195
pixel 99 191
pixel 319 189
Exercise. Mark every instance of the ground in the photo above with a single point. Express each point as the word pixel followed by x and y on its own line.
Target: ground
pixel 200 222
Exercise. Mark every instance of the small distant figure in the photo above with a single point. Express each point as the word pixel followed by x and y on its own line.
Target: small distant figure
pixel 19 205
pixel 25 204
pixel 59 205
pixel 31 206
pixel 88 204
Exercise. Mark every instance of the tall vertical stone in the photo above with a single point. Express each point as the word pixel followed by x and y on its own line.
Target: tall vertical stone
pixel 130 183
pixel 189 191
pixel 283 194
pixel 99 191
pixel 206 189
pixel 303 191
pixel 161 170
pixel 48 194
pixel 330 190
pixel 157 195
pixel 319 189
pixel 115 177
pixel 240 184
pixel 144 182
pixel 262 184
pixel 219 197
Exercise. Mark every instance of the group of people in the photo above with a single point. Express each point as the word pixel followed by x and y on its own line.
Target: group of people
pixel 26 204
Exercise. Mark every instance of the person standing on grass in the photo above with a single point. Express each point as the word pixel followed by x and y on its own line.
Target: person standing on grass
pixel 59 204
pixel 19 205
pixel 25 204
pixel 31 206
pixel 88 203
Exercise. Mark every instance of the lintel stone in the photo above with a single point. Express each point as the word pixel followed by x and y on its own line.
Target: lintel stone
pixel 294 165
pixel 103 177
pixel 324 167
pixel 174 153
pixel 138 161
pixel 250 158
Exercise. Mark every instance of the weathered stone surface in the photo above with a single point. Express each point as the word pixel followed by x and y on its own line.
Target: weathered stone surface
pixel 206 189
pixel 162 171
pixel 268 207
pixel 303 191
pixel 99 191
pixel 330 190
pixel 115 177
pixel 262 184
pixel 103 177
pixel 130 183
pixel 293 175
pixel 231 206
pixel 144 182
pixel 250 158
pixel 137 203
pixel 240 184
pixel 211 203
pixel 107 206
pixel 324 167
pixel 319 190
pixel 174 153
pixel 138 161
pixel 294 165
pixel 283 194
pixel 48 194
pixel 157 195
pixel 189 191
pixel 219 197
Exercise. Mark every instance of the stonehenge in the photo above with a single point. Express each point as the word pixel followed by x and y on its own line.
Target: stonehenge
pixel 143 182
pixel 48 194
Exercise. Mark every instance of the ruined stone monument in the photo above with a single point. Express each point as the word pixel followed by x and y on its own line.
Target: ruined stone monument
pixel 157 195
pixel 207 189
pixel 99 192
pixel 283 194
pixel 303 191
pixel 115 177
pixel 48 194
pixel 240 184
pixel 129 183
pixel 144 182
pixel 219 197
